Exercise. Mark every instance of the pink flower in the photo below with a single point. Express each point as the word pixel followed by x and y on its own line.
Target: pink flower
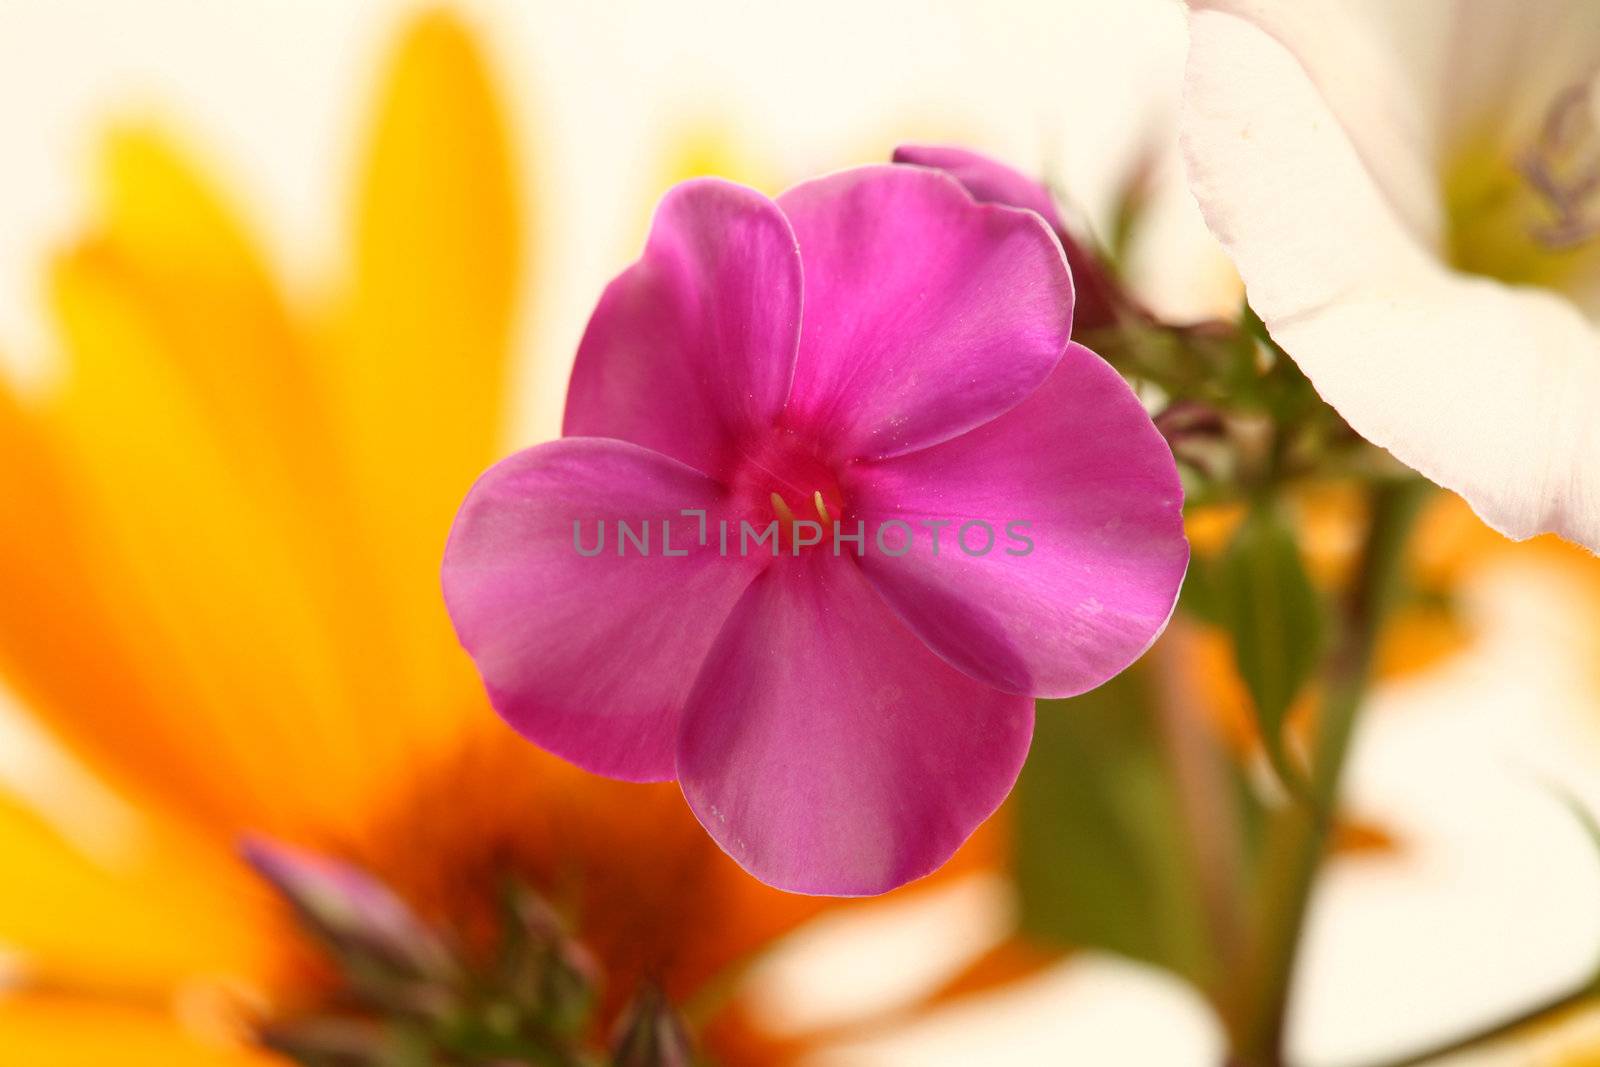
pixel 1098 300
pixel 873 352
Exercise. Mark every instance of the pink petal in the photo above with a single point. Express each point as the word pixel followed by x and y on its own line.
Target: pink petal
pixel 1081 462
pixel 1099 300
pixel 988 180
pixel 926 313
pixel 589 657
pixel 828 750
pixel 695 343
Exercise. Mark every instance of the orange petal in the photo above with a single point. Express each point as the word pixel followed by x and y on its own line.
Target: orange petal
pixel 157 912
pixel 1353 836
pixel 1418 637
pixel 42 1031
pixel 1329 518
pixel 1010 961
pixel 1210 527
pixel 653 895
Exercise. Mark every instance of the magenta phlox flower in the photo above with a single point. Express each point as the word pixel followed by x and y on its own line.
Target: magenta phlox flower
pixel 838 497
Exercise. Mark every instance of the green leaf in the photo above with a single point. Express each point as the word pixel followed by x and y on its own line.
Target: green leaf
pixel 1275 618
pixel 1199 597
pixel 1102 860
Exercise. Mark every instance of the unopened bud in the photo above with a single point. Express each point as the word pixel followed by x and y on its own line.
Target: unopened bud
pixel 356 915
pixel 553 975
pixel 651 1034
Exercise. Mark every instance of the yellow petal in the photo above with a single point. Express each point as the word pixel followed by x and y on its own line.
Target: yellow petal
pixel 210 567
pixel 53 607
pixel 63 1032
pixel 420 349
pixel 73 644
pixel 188 449
pixel 229 335
pixel 710 148
pixel 234 609
pixel 159 912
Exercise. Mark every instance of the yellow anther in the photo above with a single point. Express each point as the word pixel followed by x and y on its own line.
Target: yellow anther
pixel 785 516
pixel 822 508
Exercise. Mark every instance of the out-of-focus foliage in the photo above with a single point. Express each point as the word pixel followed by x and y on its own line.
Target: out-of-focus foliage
pixel 1180 814
pixel 1268 606
pixel 1101 849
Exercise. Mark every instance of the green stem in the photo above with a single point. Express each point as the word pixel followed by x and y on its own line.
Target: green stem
pixel 1499 1030
pixel 1205 802
pixel 1298 839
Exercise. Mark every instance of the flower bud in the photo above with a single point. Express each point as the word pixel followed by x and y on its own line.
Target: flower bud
pixel 358 917
pixel 651 1034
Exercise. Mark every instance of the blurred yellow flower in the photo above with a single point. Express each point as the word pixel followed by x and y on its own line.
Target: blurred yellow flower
pixel 219 545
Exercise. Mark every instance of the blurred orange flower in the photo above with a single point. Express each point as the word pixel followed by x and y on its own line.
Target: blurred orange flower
pixel 219 541
pixel 1423 631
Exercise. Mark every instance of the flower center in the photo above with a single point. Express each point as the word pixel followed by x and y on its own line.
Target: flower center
pixel 780 481
pixel 1563 170
pixel 406 990
pixel 790 526
pixel 1530 217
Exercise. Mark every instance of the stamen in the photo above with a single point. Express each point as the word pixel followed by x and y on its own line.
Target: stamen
pixel 822 507
pixel 1563 169
pixel 785 516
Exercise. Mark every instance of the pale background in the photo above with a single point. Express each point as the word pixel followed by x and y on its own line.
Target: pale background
pixel 1495 897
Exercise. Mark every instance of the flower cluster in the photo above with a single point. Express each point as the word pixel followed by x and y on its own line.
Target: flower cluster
pixel 870 500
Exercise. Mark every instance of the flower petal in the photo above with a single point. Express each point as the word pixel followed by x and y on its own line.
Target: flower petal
pixel 988 180
pixel 156 908
pixel 1486 389
pixel 926 313
pixel 52 1030
pixel 1098 298
pixel 651 895
pixel 1388 108
pixel 419 350
pixel 589 657
pixel 1081 464
pixel 828 750
pixel 694 343
pixel 206 573
pixel 239 515
pixel 1434 74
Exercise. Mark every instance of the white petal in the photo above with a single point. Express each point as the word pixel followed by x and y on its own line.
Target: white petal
pixel 1508 61
pixel 1374 62
pixel 1488 390
pixel 1467 766
pixel 1413 82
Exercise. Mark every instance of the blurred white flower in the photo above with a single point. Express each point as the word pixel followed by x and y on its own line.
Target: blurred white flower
pixel 1411 192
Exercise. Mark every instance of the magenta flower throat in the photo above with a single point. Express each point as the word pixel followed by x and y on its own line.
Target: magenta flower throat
pixel 837 499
